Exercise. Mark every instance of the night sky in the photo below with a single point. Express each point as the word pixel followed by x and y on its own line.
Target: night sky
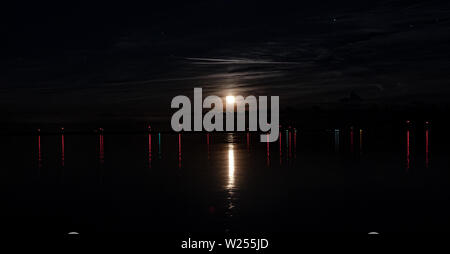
pixel 79 62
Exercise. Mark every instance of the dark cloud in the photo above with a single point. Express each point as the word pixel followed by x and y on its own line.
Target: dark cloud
pixel 132 61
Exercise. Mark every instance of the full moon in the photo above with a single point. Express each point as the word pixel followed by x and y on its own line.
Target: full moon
pixel 230 99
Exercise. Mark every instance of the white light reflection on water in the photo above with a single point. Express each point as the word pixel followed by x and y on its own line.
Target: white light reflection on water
pixel 231 181
pixel 231 168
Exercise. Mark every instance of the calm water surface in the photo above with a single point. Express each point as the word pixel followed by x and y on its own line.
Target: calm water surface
pixel 347 179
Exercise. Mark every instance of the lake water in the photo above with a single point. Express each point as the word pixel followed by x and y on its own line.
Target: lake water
pixel 350 179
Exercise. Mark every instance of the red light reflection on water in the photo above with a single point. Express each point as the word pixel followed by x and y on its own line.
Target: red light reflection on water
pixel 62 150
pixel 248 141
pixel 39 152
pixel 101 149
pixel 290 144
pixel 408 161
pixel 295 143
pixel 207 144
pixel 150 150
pixel 426 149
pixel 179 150
pixel 279 138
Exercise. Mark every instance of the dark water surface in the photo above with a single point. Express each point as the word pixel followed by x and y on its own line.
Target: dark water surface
pixel 348 179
